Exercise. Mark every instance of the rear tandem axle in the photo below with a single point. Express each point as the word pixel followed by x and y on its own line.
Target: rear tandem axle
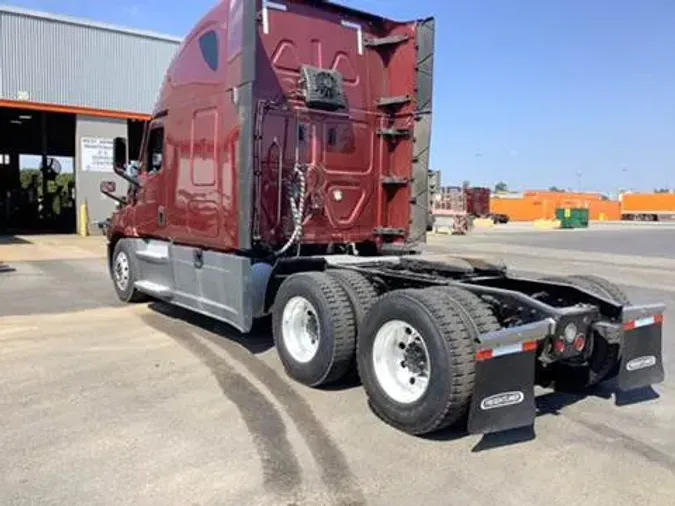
pixel 513 332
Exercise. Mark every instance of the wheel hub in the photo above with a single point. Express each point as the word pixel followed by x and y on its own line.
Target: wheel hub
pixel 300 329
pixel 401 361
pixel 121 270
pixel 414 358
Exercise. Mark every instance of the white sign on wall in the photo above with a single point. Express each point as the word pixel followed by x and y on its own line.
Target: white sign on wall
pixel 97 154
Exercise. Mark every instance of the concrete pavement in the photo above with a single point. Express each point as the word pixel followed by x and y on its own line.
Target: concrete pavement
pixel 146 404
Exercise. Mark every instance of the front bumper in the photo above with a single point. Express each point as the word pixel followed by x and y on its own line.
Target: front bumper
pixel 503 396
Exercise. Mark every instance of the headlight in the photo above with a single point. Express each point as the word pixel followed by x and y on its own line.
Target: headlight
pixel 570 332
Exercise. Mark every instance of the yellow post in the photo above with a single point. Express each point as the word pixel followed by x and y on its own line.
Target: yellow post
pixel 84 220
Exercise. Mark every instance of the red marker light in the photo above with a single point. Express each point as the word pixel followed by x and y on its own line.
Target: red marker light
pixel 529 346
pixel 483 355
pixel 579 342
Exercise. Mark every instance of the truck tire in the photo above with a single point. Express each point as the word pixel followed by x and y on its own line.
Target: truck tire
pixel 124 273
pixel 604 357
pixel 478 312
pixel 416 360
pixel 604 287
pixel 361 292
pixel 362 295
pixel 314 328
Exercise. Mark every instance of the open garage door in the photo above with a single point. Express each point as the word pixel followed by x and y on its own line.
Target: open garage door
pixel 37 175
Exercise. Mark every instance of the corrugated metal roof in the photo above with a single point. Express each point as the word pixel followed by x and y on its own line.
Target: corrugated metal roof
pixel 74 63
pixel 88 23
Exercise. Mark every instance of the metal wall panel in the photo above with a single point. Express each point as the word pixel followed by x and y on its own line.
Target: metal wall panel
pixel 87 183
pixel 69 63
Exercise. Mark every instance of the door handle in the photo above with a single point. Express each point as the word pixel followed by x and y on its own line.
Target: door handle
pixel 197 258
pixel 161 218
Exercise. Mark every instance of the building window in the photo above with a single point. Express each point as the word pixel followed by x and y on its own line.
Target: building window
pixel 208 43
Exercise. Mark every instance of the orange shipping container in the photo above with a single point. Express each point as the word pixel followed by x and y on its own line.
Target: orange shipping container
pixel 648 203
pixel 598 209
pixel 564 195
pixel 606 210
pixel 519 209
pixel 536 208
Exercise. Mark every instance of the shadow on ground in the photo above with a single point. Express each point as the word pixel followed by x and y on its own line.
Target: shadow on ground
pixel 8 240
pixel 260 340
pixel 550 403
pixel 4 268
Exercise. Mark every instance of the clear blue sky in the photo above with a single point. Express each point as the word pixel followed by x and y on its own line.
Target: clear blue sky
pixel 528 91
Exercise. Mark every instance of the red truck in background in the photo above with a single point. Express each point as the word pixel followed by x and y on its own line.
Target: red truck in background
pixel 478 204
pixel 478 201
pixel 284 172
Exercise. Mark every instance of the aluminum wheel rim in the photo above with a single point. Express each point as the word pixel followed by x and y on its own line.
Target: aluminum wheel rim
pixel 300 329
pixel 121 270
pixel 401 362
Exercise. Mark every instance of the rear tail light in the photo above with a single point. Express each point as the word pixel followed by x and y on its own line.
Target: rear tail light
pixel 579 342
pixel 559 346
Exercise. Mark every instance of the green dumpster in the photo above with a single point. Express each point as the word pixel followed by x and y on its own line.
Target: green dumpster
pixel 572 217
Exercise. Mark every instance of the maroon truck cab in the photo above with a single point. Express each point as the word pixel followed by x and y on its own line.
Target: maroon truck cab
pixel 264 100
pixel 281 129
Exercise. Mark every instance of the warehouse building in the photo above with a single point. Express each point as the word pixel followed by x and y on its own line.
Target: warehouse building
pixel 67 88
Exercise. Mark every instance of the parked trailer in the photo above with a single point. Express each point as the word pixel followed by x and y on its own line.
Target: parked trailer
pixel 449 208
pixel 478 201
pixel 648 206
pixel 277 182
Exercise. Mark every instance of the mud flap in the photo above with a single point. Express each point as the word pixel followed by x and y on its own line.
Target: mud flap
pixel 641 360
pixel 503 394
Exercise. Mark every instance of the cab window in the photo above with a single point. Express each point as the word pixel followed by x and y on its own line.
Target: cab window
pixel 155 149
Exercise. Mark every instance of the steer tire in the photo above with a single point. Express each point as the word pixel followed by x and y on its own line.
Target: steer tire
pixel 126 292
pixel 604 359
pixel 336 328
pixel 451 352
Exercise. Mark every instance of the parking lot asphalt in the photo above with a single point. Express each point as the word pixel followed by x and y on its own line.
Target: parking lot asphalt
pixel 55 286
pixel 637 239
pixel 146 404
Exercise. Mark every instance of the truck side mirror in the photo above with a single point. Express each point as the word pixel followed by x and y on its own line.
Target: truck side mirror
pixel 108 188
pixel 119 154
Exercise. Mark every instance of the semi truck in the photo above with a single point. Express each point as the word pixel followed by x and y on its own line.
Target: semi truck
pixel 283 175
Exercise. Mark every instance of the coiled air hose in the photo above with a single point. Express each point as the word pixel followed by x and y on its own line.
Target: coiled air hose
pixel 296 196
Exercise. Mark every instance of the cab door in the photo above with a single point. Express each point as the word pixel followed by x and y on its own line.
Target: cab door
pixel 151 219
